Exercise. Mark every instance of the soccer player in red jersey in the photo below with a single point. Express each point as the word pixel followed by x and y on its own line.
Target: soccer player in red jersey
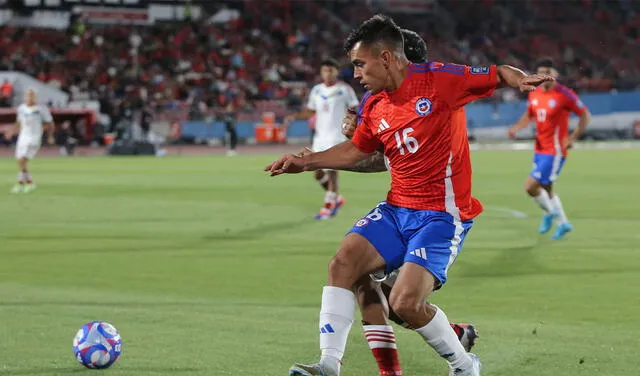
pixel 429 209
pixel 550 106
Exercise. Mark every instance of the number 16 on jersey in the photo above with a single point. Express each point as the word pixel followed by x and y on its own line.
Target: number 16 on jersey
pixel 404 141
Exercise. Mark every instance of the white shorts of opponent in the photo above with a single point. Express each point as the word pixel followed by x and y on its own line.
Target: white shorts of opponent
pixel 27 149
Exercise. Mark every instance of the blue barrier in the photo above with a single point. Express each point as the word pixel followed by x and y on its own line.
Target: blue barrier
pixel 478 115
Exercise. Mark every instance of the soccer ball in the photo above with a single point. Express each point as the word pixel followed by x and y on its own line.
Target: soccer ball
pixel 97 345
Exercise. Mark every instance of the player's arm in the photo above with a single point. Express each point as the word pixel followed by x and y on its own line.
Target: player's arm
pixel 374 163
pixel 522 123
pixel 342 156
pixel 509 76
pixel 49 130
pixel 577 107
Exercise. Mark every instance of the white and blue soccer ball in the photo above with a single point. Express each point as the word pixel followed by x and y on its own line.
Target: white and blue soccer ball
pixel 97 345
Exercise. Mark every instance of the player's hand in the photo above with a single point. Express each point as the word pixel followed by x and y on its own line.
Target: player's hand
pixel 530 83
pixel 512 133
pixel 349 123
pixel 287 164
pixel 567 143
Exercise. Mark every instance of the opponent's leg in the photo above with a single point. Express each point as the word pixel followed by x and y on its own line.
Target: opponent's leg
pixel 380 336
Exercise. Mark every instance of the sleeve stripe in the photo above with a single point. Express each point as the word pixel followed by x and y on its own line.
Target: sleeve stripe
pixel 568 93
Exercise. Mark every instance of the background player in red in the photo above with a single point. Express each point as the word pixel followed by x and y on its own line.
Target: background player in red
pixel 550 106
pixel 429 209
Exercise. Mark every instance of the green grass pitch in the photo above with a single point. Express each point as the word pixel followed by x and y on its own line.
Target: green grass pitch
pixel 209 267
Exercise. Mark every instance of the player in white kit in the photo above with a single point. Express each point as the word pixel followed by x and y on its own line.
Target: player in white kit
pixel 32 120
pixel 329 101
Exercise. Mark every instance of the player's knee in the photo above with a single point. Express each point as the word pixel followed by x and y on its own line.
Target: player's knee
pixel 319 175
pixel 341 270
pixel 405 305
pixel 531 188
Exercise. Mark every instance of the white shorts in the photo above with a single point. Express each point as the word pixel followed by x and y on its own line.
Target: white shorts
pixel 27 150
pixel 322 144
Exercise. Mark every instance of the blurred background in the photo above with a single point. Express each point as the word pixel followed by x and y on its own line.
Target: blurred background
pixel 166 72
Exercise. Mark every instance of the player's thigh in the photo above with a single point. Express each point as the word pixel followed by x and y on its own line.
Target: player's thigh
pixel 27 150
pixel 379 227
pixel 356 258
pixel 437 244
pixel 546 168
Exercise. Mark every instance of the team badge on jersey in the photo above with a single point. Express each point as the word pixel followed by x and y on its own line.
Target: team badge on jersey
pixel 479 70
pixel 363 222
pixel 423 106
pixel 552 103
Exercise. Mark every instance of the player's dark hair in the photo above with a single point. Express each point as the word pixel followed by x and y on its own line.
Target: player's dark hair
pixel 329 62
pixel 415 48
pixel 379 29
pixel 544 63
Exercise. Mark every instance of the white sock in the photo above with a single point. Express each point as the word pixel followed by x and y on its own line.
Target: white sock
pixel 558 209
pixel 323 179
pixel 439 335
pixel 544 201
pixel 336 316
pixel 330 199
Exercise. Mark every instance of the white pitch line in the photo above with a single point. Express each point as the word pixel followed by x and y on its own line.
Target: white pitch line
pixel 505 212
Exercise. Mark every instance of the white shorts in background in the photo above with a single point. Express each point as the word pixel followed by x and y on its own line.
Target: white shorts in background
pixel 322 144
pixel 27 150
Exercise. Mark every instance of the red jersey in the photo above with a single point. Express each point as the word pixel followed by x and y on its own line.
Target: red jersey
pixel 551 110
pixel 426 147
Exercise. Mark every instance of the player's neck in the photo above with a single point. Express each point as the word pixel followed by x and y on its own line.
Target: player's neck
pixel 330 83
pixel 396 78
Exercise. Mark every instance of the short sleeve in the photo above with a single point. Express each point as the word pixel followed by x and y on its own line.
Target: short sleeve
pixel 462 84
pixel 572 101
pixel 364 140
pixel 352 98
pixel 46 115
pixel 311 103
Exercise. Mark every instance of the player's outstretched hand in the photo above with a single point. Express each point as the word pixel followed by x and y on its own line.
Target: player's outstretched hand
pixel 287 164
pixel 512 133
pixel 349 123
pixel 530 83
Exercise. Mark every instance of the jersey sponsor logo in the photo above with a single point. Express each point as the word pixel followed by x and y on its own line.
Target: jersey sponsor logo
pixel 363 222
pixel 423 106
pixel 479 70
pixel 552 103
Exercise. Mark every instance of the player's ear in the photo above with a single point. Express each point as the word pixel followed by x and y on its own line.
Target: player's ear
pixel 386 58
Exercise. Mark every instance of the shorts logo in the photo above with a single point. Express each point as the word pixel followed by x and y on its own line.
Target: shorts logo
pixel 363 222
pixel 423 106
pixel 479 70
pixel 420 252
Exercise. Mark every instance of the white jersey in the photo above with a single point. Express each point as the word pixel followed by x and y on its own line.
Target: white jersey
pixel 330 104
pixel 31 120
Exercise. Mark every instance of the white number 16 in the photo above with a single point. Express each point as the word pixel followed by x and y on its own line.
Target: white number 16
pixel 411 143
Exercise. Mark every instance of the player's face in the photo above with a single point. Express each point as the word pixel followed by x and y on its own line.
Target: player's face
pixel 550 71
pixel 369 67
pixel 30 97
pixel 329 74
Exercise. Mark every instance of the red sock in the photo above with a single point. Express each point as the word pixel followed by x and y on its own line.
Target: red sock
pixel 382 342
pixel 456 329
